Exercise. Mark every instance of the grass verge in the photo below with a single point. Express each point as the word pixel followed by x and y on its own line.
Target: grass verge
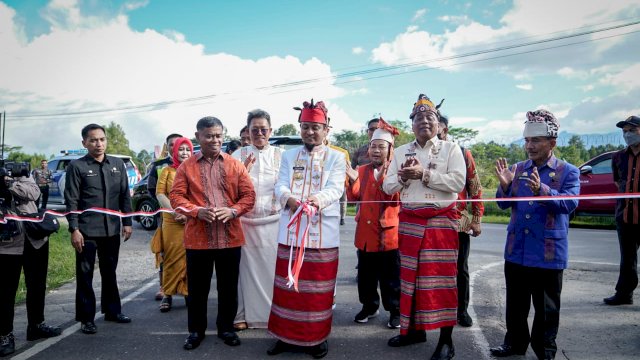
pixel 62 263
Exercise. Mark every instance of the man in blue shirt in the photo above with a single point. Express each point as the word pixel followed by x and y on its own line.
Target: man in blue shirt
pixel 536 252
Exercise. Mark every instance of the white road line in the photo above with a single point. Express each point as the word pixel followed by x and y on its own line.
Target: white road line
pixel 41 346
pixel 478 336
pixel 592 263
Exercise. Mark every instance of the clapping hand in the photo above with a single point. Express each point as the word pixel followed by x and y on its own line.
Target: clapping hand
pixel 504 173
pixel 352 173
pixel 249 161
pixel 534 182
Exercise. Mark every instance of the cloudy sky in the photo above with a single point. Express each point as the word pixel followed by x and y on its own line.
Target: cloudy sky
pixel 156 67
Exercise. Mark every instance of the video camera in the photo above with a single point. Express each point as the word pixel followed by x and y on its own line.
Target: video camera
pixel 11 169
pixel 14 169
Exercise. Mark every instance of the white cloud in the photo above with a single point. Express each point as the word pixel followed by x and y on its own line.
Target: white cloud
pixel 360 91
pixel 524 86
pixel 357 50
pixel 419 15
pixel 412 28
pixel 455 19
pixel 525 21
pixel 626 80
pixel 90 63
pixel 587 88
pixel 133 5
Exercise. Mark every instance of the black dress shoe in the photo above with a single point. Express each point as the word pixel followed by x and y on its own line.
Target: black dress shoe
pixel 319 351
pixel 464 319
pixel 7 344
pixel 618 300
pixel 88 327
pixel 230 338
pixel 278 348
pixel 413 337
pixel 444 352
pixel 119 318
pixel 42 330
pixel 193 341
pixel 506 350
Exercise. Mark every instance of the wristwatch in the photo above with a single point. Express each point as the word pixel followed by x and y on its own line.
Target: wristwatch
pixel 234 212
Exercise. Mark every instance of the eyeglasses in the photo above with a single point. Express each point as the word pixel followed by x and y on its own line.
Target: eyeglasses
pixel 257 131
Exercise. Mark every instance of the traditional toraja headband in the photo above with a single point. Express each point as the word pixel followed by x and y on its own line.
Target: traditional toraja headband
pixel 424 104
pixel 315 113
pixel 385 132
pixel 541 123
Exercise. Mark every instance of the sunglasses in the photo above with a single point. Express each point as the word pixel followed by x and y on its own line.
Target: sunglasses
pixel 258 131
pixel 372 129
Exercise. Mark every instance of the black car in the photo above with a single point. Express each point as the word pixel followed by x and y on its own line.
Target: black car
pixel 143 200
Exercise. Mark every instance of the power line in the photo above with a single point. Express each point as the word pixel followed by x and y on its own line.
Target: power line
pixel 151 106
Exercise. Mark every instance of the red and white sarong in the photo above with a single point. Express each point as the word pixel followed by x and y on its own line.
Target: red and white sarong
pixel 304 318
pixel 428 245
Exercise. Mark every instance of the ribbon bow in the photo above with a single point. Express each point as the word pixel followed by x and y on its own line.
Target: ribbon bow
pixel 304 208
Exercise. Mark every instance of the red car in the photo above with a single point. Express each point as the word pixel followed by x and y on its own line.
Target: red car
pixel 596 177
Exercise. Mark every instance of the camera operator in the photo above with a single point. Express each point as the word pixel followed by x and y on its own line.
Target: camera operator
pixel 18 251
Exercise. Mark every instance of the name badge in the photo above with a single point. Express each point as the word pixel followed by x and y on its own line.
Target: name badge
pixel 409 154
pixel 298 168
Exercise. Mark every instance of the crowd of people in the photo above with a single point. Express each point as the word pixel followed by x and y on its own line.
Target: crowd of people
pixel 413 231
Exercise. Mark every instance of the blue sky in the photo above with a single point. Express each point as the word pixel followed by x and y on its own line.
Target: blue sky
pixel 67 56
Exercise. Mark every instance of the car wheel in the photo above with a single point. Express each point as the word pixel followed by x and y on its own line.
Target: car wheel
pixel 148 222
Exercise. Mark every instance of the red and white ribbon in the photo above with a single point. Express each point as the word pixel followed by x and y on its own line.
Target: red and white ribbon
pixel 293 270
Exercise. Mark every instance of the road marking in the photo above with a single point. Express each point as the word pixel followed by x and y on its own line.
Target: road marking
pixel 592 263
pixel 478 336
pixel 41 346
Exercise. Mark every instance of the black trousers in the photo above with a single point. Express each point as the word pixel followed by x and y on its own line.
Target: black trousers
pixel 464 243
pixel 107 249
pixel 35 263
pixel 543 287
pixel 44 196
pixel 629 242
pixel 200 264
pixel 379 268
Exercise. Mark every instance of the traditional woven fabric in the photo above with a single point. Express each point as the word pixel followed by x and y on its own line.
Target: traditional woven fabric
pixel 304 318
pixel 428 244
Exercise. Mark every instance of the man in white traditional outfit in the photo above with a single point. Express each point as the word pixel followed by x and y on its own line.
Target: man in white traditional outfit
pixel 429 173
pixel 310 184
pixel 258 261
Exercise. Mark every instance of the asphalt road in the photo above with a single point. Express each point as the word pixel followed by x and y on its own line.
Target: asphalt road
pixel 589 330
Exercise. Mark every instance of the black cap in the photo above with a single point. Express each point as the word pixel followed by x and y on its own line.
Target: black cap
pixel 631 120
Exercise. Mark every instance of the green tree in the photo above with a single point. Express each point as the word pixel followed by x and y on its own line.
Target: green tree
pixel 574 152
pixel 117 142
pixel 485 155
pixel 406 134
pixel 462 135
pixel 32 159
pixel 143 158
pixel 286 130
pixel 349 140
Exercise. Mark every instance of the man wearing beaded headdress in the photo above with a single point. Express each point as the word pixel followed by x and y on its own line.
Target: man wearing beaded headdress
pixel 429 173
pixel 377 230
pixel 536 252
pixel 311 179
